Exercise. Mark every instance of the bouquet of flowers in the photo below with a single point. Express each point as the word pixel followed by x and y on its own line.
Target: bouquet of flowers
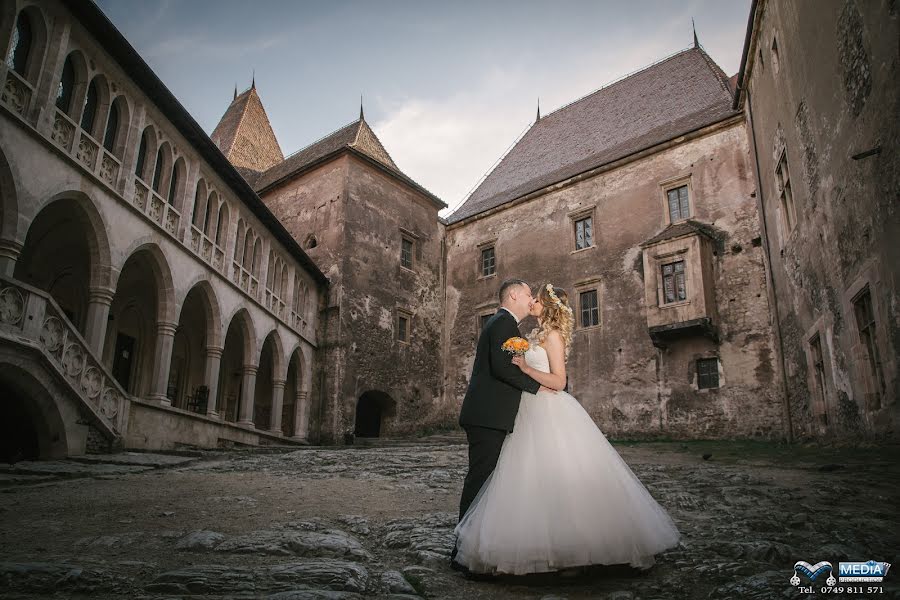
pixel 515 345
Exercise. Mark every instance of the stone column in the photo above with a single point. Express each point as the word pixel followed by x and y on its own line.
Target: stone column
pixel 301 415
pixel 9 255
pixel 211 378
pixel 97 318
pixel 277 406
pixel 248 388
pixel 162 361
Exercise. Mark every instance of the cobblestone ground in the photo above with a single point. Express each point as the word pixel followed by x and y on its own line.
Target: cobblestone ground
pixel 348 523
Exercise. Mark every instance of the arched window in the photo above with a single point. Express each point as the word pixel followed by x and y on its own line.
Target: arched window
pixel 270 276
pixel 207 215
pixel 19 51
pixel 173 185
pixel 245 255
pixel 284 281
pixel 66 86
pixel 142 155
pixel 222 225
pixel 157 171
pixel 240 241
pixel 112 126
pixel 89 113
pixel 257 251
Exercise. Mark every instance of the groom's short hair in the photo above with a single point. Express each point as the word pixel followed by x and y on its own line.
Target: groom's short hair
pixel 507 285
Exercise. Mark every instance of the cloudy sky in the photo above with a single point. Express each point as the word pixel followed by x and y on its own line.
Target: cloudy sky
pixel 448 86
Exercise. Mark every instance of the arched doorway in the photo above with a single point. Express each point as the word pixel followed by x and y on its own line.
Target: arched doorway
pixel 294 414
pixel 372 409
pixel 31 427
pixel 269 370
pixel 238 348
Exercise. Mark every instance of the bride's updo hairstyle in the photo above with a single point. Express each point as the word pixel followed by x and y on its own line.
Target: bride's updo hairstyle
pixel 557 314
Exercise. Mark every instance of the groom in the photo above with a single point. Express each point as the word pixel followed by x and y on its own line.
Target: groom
pixel 492 400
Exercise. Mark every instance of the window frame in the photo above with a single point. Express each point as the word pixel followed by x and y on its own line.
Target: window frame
pixel 666 186
pixel 403 313
pixel 784 191
pixel 661 265
pixel 482 248
pixel 585 287
pixel 574 218
pixel 700 375
pixel 405 239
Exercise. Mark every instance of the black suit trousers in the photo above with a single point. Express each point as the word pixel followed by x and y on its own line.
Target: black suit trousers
pixel 484 450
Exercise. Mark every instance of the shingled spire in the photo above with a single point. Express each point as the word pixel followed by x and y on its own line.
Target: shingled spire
pixel 245 136
pixel 694 27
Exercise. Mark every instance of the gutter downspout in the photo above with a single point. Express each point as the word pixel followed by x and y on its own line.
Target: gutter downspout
pixel 789 430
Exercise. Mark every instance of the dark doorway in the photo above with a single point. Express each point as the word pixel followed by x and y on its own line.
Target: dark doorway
pixel 124 359
pixel 371 410
pixel 18 434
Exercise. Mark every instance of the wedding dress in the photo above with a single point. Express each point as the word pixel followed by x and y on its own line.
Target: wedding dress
pixel 560 496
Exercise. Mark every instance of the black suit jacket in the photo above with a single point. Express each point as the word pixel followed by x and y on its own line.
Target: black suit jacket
pixel 492 399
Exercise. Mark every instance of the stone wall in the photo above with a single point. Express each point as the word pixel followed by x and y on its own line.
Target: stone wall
pixel 630 387
pixel 823 94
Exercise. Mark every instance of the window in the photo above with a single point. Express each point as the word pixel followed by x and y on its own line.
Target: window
pixel 89 113
pixel 157 171
pixel 488 261
pixel 673 282
pixel 865 324
pixel 406 253
pixel 173 185
pixel 222 223
pixel 17 59
pixel 482 321
pixel 707 373
pixel 311 242
pixel 679 205
pixel 783 180
pixel 66 86
pixel 590 308
pixel 141 157
pixel 584 233
pixel 112 127
pixel 815 349
pixel 403 320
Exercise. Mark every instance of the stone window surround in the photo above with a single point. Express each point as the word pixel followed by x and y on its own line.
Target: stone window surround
pixel 491 243
pixel 412 238
pixel 588 285
pixel 402 311
pixel 695 372
pixel 866 278
pixel 140 113
pixel 785 229
pixel 658 261
pixel 577 215
pixel 486 309
pixel 822 327
pixel 675 182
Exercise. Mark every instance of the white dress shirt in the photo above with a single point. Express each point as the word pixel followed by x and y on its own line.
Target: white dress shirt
pixel 511 312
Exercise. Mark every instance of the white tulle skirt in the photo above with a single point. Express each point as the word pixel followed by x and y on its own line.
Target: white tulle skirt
pixel 560 496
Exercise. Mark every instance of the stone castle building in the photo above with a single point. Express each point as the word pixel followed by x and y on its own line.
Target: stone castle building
pixel 160 287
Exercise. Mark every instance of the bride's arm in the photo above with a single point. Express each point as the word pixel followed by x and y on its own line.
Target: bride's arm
pixel 556 378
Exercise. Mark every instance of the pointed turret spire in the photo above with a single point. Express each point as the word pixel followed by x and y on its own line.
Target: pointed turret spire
pixel 694 27
pixel 253 83
pixel 235 93
pixel 362 116
pixel 539 110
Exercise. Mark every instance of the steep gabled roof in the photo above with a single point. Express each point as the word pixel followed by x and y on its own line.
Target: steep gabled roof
pixel 356 137
pixel 677 95
pixel 676 230
pixel 245 135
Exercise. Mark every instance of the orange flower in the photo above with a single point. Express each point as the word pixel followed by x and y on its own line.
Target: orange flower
pixel 515 345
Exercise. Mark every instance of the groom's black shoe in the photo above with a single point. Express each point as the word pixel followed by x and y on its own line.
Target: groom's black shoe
pixel 458 566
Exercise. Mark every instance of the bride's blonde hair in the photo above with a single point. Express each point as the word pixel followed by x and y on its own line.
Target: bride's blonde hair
pixel 557 314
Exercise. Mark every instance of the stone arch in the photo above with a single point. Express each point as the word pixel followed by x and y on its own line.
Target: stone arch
pixel 162 274
pixel 71 95
pixel 373 409
pixel 238 353
pixel 198 329
pixel 146 154
pixel 199 209
pixel 115 141
pixel 176 185
pixel 296 406
pixel 99 108
pixel 222 225
pixel 162 165
pixel 39 38
pixel 270 369
pixel 211 214
pixel 66 253
pixel 212 309
pixel 31 423
pixel 9 204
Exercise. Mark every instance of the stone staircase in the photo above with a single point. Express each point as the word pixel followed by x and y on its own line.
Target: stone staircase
pixel 35 326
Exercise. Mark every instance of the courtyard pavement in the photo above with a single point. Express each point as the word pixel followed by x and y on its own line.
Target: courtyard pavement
pixel 376 522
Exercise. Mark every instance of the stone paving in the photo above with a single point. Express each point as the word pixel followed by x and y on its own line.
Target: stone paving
pixel 377 522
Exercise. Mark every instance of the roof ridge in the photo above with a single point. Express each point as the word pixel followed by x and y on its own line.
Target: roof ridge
pixel 717 71
pixel 377 140
pixel 240 121
pixel 620 80
pixel 324 137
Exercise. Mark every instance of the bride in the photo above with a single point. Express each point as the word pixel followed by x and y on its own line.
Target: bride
pixel 560 495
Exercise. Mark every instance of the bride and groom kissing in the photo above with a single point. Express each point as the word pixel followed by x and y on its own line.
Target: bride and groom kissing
pixel 545 491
